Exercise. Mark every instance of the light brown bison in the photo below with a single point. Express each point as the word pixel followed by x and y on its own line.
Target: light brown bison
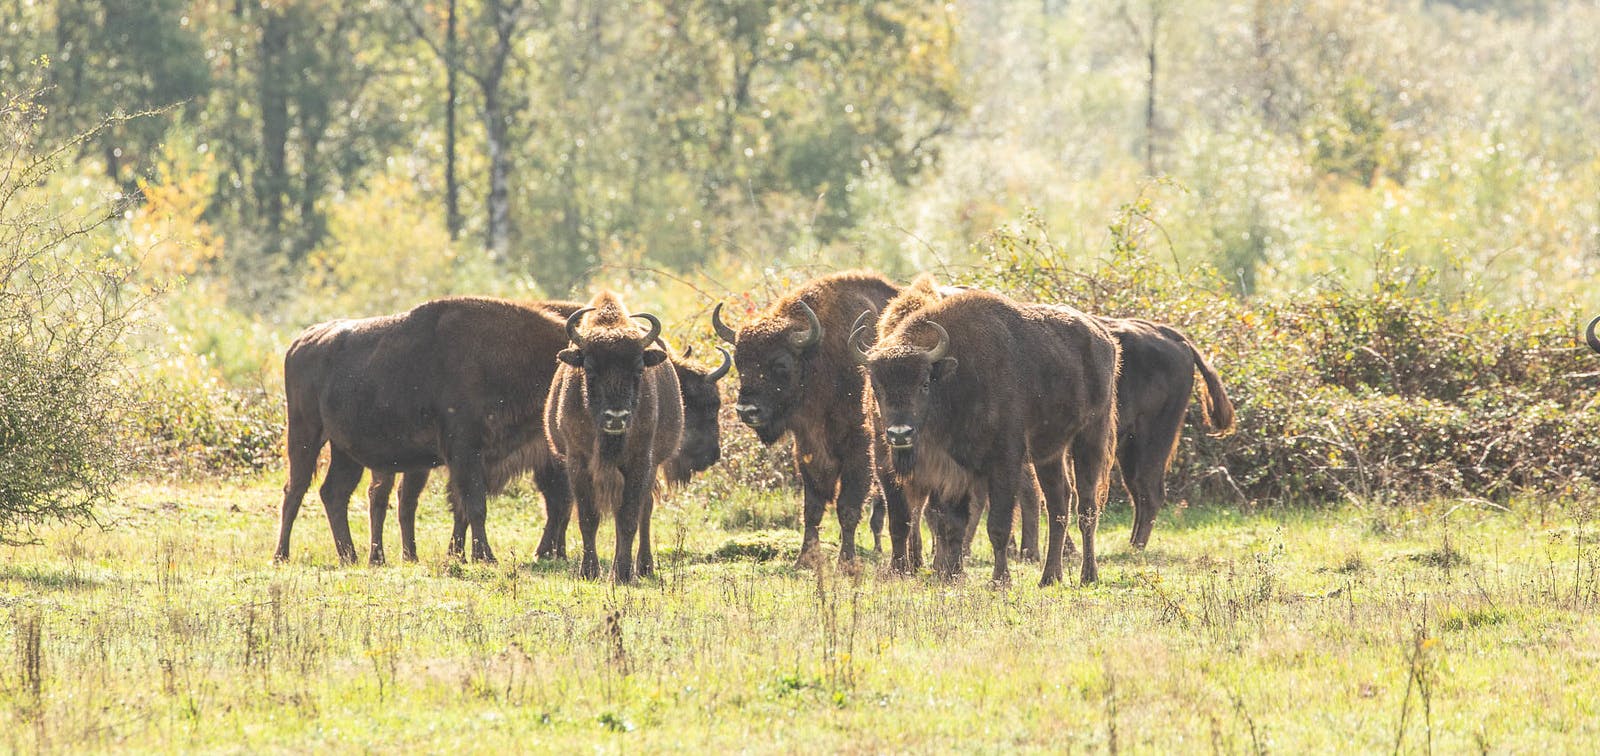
pixel 796 376
pixel 1003 384
pixel 458 382
pixel 614 414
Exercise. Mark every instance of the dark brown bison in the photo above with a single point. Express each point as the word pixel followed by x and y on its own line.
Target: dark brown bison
pixel 1588 335
pixel 796 376
pixel 458 382
pixel 614 414
pixel 1003 384
pixel 700 449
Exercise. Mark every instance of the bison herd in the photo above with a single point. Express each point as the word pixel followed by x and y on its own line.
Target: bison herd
pixel 932 402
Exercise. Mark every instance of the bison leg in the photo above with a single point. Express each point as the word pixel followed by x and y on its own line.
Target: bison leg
pixel 816 503
pixel 469 479
pixel 1091 462
pixel 411 486
pixel 304 441
pixel 458 526
pixel 551 478
pixel 1028 510
pixel 948 520
pixel 630 512
pixel 378 489
pixel 344 474
pixel 646 564
pixel 979 503
pixel 1144 469
pixel 588 522
pixel 900 526
pixel 855 485
pixel 879 509
pixel 1002 506
pixel 1053 482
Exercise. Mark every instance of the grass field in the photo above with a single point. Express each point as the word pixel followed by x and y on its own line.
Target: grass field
pixel 1458 625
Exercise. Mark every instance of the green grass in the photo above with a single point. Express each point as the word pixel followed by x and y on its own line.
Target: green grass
pixel 1237 631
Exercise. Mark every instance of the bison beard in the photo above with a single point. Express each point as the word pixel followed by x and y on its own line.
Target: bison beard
pixel 615 413
pixel 1002 385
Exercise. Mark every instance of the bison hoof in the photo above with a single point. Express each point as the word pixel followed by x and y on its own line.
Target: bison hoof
pixel 1089 575
pixel 810 558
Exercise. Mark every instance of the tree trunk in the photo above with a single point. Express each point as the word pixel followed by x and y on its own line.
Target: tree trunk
pixel 497 237
pixel 272 176
pixel 452 204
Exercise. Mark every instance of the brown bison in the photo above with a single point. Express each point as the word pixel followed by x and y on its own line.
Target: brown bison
pixel 614 414
pixel 1153 390
pixel 700 449
pixel 458 382
pixel 1003 384
pixel 796 376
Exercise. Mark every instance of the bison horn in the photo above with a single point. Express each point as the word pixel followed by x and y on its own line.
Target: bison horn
pixel 856 351
pixel 572 325
pixel 808 338
pixel 943 347
pixel 861 322
pixel 723 331
pixel 1588 335
pixel 722 370
pixel 655 328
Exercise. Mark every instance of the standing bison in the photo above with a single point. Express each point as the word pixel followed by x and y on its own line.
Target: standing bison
pixel 1003 384
pixel 458 382
pixel 614 414
pixel 796 376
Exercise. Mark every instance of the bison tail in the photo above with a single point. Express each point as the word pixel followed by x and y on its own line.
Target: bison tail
pixel 1214 401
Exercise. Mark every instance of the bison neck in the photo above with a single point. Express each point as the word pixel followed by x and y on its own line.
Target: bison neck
pixel 609 447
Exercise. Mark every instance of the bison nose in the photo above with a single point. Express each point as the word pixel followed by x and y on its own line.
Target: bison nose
pixel 898 436
pixel 615 421
pixel 749 414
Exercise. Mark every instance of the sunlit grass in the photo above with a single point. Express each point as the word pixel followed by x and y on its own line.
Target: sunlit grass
pixel 1282 630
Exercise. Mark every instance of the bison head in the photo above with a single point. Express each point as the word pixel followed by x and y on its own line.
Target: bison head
pixel 613 360
pixel 771 354
pixel 702 434
pixel 903 379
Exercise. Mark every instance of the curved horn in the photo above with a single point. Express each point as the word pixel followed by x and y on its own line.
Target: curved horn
pixel 943 347
pixel 688 349
pixel 655 328
pixel 1588 334
pixel 861 322
pixel 572 325
pixel 856 351
pixel 722 370
pixel 723 331
pixel 812 334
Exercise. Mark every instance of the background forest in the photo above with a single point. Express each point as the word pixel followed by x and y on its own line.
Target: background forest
pixel 214 176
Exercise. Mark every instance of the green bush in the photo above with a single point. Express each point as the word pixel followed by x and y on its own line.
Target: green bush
pixel 1390 394
pixel 65 304
pixel 188 421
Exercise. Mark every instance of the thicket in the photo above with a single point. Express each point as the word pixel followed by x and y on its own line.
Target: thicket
pixel 1387 393
pixel 64 307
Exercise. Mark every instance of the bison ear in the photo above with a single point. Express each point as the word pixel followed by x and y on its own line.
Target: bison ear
pixel 572 356
pixel 944 368
pixel 654 357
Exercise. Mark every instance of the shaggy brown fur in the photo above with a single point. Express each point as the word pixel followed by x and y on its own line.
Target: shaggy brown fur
pixel 614 414
pixel 814 392
pixel 458 382
pixel 1017 383
pixel 701 448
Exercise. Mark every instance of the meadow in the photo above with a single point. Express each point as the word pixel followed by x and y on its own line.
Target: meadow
pixel 1453 625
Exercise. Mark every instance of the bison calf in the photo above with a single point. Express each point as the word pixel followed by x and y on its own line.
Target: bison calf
pixel 614 414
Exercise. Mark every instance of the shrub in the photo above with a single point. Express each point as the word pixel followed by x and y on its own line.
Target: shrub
pixel 65 304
